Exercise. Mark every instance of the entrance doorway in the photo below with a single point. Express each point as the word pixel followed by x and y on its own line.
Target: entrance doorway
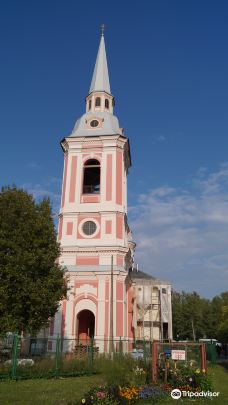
pixel 86 325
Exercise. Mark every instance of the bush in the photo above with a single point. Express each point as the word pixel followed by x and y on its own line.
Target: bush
pixel 120 370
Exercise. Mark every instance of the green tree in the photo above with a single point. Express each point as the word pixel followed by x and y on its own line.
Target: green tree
pixel 31 281
pixel 220 316
pixel 192 316
pixel 223 327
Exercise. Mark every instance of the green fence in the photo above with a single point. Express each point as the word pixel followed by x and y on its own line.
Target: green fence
pixel 211 352
pixel 25 358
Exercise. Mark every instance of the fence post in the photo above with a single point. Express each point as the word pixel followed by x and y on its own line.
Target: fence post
pixel 14 356
pixel 144 352
pixel 57 356
pixel 91 352
pixel 203 357
pixel 120 347
pixel 154 362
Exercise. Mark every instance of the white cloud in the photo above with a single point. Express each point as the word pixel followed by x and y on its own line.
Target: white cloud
pixel 161 138
pixel 158 138
pixel 51 187
pixel 33 165
pixel 182 235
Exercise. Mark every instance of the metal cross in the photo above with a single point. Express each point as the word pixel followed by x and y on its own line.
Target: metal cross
pixel 102 27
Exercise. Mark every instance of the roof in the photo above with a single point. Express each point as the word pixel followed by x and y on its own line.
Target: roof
pixel 110 125
pixel 100 79
pixel 135 275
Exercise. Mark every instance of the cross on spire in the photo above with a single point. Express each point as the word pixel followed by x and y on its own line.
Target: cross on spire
pixel 102 27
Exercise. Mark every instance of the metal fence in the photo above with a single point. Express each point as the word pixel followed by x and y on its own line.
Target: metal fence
pixel 168 355
pixel 25 358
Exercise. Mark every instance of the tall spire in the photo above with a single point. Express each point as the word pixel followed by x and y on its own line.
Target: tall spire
pixel 100 80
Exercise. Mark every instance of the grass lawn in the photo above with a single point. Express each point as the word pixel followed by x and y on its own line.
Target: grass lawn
pixel 61 391
pixel 46 392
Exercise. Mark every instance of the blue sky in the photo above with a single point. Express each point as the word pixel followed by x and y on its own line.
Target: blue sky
pixel 168 67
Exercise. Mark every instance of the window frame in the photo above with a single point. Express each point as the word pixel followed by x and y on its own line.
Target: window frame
pixel 87 166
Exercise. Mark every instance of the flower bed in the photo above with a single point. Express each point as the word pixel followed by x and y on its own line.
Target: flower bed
pixel 114 395
pixel 183 376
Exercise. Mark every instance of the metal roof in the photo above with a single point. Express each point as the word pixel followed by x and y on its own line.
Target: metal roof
pixel 136 275
pixel 100 80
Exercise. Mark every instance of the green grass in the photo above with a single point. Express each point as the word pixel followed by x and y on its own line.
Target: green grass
pixel 61 391
pixel 46 392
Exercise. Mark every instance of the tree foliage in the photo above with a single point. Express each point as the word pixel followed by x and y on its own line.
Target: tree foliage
pixel 195 317
pixel 31 281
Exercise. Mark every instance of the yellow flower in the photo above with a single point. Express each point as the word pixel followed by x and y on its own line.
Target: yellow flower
pixel 83 401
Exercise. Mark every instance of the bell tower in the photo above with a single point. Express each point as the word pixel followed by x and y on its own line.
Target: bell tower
pixel 96 244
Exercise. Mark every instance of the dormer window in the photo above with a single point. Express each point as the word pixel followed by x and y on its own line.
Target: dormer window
pixel 91 181
pixel 94 123
pixel 107 104
pixel 97 102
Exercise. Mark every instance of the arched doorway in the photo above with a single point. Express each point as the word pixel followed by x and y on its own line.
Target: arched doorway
pixel 85 325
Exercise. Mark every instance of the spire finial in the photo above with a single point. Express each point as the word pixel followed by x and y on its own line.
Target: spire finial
pixel 102 27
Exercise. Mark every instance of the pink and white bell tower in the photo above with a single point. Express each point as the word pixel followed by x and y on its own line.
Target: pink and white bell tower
pixel 96 243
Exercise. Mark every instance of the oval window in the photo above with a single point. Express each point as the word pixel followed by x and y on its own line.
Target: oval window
pixel 89 228
pixel 94 123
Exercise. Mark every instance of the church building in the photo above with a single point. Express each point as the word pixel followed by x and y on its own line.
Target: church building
pixel 107 297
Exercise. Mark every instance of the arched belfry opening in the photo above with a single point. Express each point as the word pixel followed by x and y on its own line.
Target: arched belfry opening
pixel 91 178
pixel 85 325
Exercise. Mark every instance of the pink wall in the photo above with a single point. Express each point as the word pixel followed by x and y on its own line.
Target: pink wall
pixel 86 198
pixel 69 228
pixel 87 260
pixel 119 177
pixel 119 308
pixel 119 290
pixel 106 311
pixel 109 178
pixel 86 281
pixel 130 312
pixel 119 260
pixel 64 178
pixel 119 319
pixel 63 318
pixel 73 179
pixel 108 227
pixel 119 226
pixel 92 146
pixel 60 228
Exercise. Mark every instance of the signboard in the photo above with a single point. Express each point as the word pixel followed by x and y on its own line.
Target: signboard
pixel 167 353
pixel 178 354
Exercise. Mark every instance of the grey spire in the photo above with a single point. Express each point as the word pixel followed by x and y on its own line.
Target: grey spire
pixel 100 80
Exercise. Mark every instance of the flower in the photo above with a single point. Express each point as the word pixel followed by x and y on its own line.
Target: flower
pixel 83 401
pixel 100 394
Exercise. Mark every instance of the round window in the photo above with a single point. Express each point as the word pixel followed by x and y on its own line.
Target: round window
pixel 89 228
pixel 94 123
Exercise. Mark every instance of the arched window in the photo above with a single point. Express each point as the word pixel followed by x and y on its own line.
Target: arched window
pixel 91 181
pixel 107 103
pixel 97 102
pixel 90 104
